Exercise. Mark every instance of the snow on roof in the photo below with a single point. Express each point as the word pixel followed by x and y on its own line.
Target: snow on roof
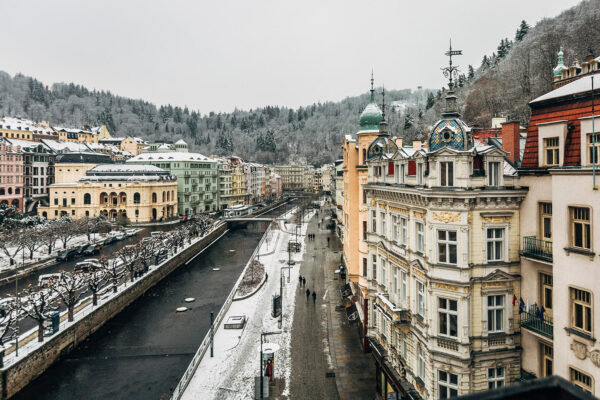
pixel 583 84
pixel 25 143
pixel 509 170
pixel 60 146
pixel 170 156
pixel 25 125
pixel 180 141
pixel 126 168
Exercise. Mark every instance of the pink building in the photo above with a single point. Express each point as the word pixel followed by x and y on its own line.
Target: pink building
pixel 276 185
pixel 11 175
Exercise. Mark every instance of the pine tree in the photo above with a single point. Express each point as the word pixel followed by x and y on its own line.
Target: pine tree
pixel 485 63
pixel 471 72
pixel 461 80
pixel 430 101
pixel 522 31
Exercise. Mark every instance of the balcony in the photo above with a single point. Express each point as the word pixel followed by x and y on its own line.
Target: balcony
pixel 536 248
pixel 536 322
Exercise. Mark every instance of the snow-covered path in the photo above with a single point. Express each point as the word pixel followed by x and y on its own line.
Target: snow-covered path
pixel 230 373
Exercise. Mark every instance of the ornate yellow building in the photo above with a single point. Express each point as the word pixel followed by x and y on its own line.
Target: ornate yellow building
pixel 443 269
pixel 141 193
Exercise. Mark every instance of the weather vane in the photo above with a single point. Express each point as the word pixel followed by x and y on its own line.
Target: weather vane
pixel 451 70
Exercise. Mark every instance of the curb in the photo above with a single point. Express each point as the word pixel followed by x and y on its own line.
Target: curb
pixel 246 296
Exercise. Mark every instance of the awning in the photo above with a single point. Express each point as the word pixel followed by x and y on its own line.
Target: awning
pixel 346 291
pixel 352 313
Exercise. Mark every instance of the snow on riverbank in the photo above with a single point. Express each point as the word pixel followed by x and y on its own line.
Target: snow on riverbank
pixel 230 373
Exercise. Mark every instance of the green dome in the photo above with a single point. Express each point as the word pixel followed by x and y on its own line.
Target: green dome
pixel 371 116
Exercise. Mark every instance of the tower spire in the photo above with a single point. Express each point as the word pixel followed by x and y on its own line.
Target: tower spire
pixel 450 72
pixel 372 88
pixel 383 124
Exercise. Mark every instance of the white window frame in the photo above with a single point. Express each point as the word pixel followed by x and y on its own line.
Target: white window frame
pixel 494 175
pixel 374 221
pixel 492 313
pixel 403 230
pixel 420 173
pixel 383 224
pixel 449 177
pixel 404 287
pixel 383 272
pixel 420 237
pixel 402 173
pixel 420 362
pixel 496 377
pixel 395 228
pixel 446 383
pixel 420 298
pixel 446 313
pixel 395 282
pixel 495 241
pixel 374 267
pixel 449 245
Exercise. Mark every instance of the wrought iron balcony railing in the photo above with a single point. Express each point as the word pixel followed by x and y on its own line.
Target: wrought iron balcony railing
pixel 536 248
pixel 537 322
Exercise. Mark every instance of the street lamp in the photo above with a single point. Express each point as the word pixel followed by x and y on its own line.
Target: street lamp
pixel 262 335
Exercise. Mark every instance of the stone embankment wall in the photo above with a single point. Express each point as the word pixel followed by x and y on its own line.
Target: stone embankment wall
pixel 21 373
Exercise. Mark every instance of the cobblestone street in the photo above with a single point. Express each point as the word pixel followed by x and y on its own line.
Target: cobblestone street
pixel 327 361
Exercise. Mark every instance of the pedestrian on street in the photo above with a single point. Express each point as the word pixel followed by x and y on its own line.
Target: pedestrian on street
pixel 327 241
pixel 314 297
pixel 303 282
pixel 307 294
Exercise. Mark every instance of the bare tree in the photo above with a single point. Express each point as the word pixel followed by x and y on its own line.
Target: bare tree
pixel 69 287
pixel 10 244
pixel 94 280
pixel 49 236
pixel 31 240
pixel 111 270
pixel 35 306
pixel 8 319
pixel 67 229
pixel 129 256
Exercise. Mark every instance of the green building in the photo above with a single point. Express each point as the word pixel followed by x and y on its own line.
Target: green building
pixel 197 175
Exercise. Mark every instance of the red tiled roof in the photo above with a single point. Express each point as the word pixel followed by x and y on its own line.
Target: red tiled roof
pixel 570 111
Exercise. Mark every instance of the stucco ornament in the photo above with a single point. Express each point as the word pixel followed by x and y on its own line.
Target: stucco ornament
pixel 446 217
pixel 580 349
pixel 595 357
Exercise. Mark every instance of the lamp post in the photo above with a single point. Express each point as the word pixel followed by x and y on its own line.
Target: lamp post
pixel 262 335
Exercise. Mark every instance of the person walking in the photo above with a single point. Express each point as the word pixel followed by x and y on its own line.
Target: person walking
pixel 314 297
pixel 307 294
pixel 300 280
pixel 303 282
pixel 327 241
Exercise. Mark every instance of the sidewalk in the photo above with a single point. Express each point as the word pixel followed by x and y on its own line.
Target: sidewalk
pixel 327 360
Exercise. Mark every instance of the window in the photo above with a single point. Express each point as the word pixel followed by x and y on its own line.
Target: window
pixel 364 230
pixel 446 174
pixel 494 174
pixel 403 287
pixel 584 381
pixel 395 282
pixel 581 310
pixel 64 202
pixel 394 228
pixel 546 293
pixel 420 237
pixel 495 377
pixel 546 221
pixel 364 266
pixel 364 196
pixel 72 200
pixel 420 173
pixel 448 317
pixel 495 309
pixel 403 231
pixel 420 299
pixel 593 144
pixel 580 228
pixel 390 168
pixel 383 218
pixel 547 359
pixel 447 385
pixel 420 362
pixel 495 244
pixel 374 221
pixel 383 272
pixel 447 247
pixel 136 198
pixel 374 266
pixel 551 151
pixel 55 201
pixel 402 172
pixel 412 167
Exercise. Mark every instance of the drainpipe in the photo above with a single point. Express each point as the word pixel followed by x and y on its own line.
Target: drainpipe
pixel 595 154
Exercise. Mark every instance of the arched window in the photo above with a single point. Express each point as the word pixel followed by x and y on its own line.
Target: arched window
pixel 154 199
pixel 168 196
pixel 9 190
pixel 87 198
pixel 2 193
pixel 136 198
pixel 163 197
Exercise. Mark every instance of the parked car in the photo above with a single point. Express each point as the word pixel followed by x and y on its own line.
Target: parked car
pixel 88 265
pixel 80 248
pixel 92 249
pixel 66 255
pixel 131 232
pixel 109 240
pixel 45 279
pixel 121 236
pixel 157 234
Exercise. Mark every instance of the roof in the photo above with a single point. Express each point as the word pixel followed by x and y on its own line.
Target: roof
pixel 24 144
pixel 170 156
pixel 83 158
pixel 126 168
pixel 25 125
pixel 126 172
pixel 60 146
pixel 583 84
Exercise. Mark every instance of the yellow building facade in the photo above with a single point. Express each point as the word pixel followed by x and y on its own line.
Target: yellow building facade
pixel 140 193
pixel 71 167
pixel 239 190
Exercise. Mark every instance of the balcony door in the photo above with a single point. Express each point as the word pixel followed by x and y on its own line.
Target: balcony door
pixel 546 299
pixel 546 222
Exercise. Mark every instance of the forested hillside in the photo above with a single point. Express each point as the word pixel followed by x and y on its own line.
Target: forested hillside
pixel 269 134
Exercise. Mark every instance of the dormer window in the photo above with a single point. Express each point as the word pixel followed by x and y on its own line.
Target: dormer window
pixel 447 135
pixel 551 151
pixel 494 174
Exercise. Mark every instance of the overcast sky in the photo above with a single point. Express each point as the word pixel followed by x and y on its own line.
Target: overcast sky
pixel 219 55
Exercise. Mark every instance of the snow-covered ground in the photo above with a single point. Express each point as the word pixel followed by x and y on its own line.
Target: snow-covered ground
pixel 231 372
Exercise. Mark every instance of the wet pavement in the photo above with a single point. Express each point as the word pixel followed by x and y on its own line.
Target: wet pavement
pixel 142 352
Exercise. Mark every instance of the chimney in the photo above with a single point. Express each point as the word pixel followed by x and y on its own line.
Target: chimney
pixel 398 141
pixel 511 139
pixel 417 145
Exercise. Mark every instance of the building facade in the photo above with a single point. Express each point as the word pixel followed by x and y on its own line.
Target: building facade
pixel 560 234
pixel 11 175
pixel 138 193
